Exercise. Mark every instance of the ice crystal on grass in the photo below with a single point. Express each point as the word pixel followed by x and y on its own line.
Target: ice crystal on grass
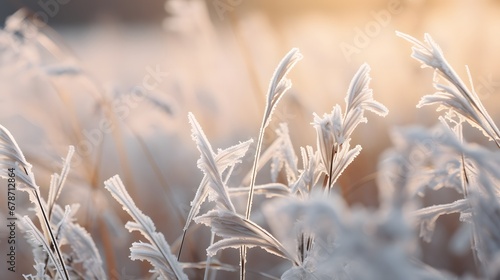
pixel 40 273
pixel 157 251
pixel 280 83
pixel 12 161
pixel 38 239
pixel 456 96
pixel 349 243
pixel 239 231
pixel 334 130
pixel 419 161
pixel 472 167
pixel 428 216
pixel 311 226
pixel 13 157
pixel 57 181
pixel 278 86
pixel 311 172
pixel 84 250
pixel 64 231
pixel 360 98
pixel 213 165
pixel 208 165
pixel 224 159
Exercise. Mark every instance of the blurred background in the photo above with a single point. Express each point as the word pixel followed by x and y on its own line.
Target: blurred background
pixel 75 67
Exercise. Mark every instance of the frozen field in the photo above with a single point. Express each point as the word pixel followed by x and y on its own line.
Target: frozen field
pixel 120 93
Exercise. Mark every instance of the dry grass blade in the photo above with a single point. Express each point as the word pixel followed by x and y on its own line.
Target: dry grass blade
pixel 208 165
pixel 277 88
pixel 279 85
pixel 360 95
pixel 269 190
pixel 343 157
pixel 459 97
pixel 38 237
pixel 224 159
pixel 11 156
pixel 158 252
pixel 328 131
pixel 428 216
pixel 57 181
pixel 334 130
pixel 359 98
pixel 310 173
pixel 239 231
pixel 80 241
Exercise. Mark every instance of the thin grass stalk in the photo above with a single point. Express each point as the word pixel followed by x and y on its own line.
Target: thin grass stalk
pixel 243 256
pixel 474 101
pixel 209 274
pixel 252 190
pixel 254 166
pixel 432 56
pixel 465 186
pixel 156 247
pixel 479 105
pixel 278 86
pixel 14 153
pixel 465 189
pixel 458 131
pixel 183 238
pixel 330 171
pixel 209 259
pixel 53 240
pixel 55 191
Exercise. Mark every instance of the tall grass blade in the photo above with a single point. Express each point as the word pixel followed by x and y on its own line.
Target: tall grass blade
pixel 208 165
pixel 334 130
pixel 277 88
pixel 223 159
pixel 11 156
pixel 38 237
pixel 57 181
pixel 158 251
pixel 456 97
pixel 82 244
pixel 238 231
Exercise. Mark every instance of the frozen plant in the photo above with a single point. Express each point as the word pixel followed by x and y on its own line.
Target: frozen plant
pixel 58 228
pixel 474 169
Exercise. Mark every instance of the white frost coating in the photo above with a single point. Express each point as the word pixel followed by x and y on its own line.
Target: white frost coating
pixel 158 251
